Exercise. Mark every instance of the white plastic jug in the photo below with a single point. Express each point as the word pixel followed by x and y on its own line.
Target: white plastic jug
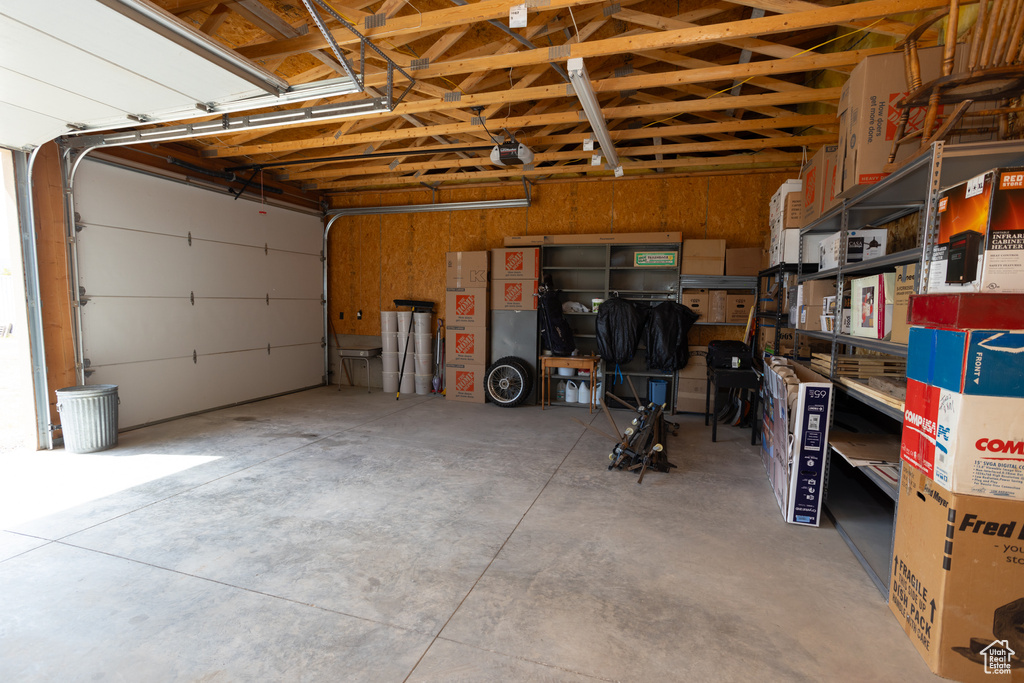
pixel 598 393
pixel 584 394
pixel 572 392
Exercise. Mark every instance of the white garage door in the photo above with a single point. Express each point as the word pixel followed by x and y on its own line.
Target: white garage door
pixel 194 300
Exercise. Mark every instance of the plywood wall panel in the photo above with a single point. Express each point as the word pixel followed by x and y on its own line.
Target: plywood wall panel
pixel 467 229
pixel 640 205
pixel 554 208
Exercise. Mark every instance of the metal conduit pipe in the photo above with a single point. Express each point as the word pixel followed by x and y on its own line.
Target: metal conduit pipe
pixel 335 214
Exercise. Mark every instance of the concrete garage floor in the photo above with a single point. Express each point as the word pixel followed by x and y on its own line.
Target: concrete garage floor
pixel 340 536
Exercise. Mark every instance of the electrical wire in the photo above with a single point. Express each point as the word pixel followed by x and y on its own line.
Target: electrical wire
pixel 810 49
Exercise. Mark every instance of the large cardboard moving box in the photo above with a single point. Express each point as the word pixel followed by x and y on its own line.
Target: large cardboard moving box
pixel 703 257
pixel 464 382
pixel 467 346
pixel 746 261
pixel 466 307
pixel 819 176
pixel 513 295
pixel 515 264
pixel 466 269
pixel 957 582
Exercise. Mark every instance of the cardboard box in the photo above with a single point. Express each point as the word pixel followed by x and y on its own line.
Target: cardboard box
pixel 464 382
pixel 817 176
pixel 466 307
pixel 521 263
pixel 718 303
pixel 787 338
pixel 743 261
pixel 871 301
pixel 868 116
pixel 957 583
pixel 975 362
pixel 814 292
pixel 793 211
pixel 970 311
pixel 990 206
pixel 697 300
pixel 691 395
pixel 786 248
pixel 703 257
pixel 810 318
pixel 618 238
pixel 797 473
pixel 697 364
pixel 466 269
pixel 905 278
pixel 737 307
pixel 467 346
pixel 969 444
pixel 513 295
pixel 793 187
pixel 861 245
pixel 524 240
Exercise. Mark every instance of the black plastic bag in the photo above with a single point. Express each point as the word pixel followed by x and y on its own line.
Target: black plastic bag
pixel 668 325
pixel 618 330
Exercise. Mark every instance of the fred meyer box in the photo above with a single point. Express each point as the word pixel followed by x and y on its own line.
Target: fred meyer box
pixel 513 295
pixel 515 264
pixel 466 345
pixel 957 583
pixel 465 269
pixel 466 307
pixel 980 247
pixel 963 424
pixel 464 382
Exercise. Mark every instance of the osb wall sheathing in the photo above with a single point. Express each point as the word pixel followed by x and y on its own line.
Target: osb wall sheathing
pixel 54 286
pixel 376 259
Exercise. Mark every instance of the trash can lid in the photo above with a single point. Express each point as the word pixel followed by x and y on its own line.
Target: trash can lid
pixel 90 390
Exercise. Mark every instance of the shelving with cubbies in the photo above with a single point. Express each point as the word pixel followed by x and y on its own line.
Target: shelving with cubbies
pixel 584 272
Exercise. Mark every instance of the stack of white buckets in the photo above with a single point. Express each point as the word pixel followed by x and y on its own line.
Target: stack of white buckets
pixel 419 359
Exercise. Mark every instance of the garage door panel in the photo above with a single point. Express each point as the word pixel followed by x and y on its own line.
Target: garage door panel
pixel 231 325
pixel 120 330
pixel 294 367
pixel 227 270
pixel 116 262
pixel 291 321
pixel 294 276
pixel 293 231
pixel 233 377
pixel 151 391
pixel 106 195
pixel 54 101
pixel 233 223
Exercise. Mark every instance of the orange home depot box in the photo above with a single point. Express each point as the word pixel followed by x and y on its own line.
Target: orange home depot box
pixel 464 382
pixel 515 264
pixel 514 295
pixel 868 116
pixel 467 345
pixel 957 580
pixel 466 307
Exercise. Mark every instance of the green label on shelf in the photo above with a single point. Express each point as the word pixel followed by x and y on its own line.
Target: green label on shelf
pixel 655 258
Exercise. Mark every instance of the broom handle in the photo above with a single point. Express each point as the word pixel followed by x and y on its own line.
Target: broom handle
pixel 405 355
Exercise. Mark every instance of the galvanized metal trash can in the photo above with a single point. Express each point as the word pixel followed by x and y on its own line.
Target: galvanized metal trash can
pixel 88 417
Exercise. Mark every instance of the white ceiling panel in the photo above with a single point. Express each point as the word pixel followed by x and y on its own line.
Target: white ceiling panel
pixel 91 65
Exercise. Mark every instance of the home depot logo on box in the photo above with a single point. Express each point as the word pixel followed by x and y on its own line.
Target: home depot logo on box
pixel 513 292
pixel 914 121
pixel 465 381
pixel 465 343
pixel 513 260
pixel 810 185
pixel 465 304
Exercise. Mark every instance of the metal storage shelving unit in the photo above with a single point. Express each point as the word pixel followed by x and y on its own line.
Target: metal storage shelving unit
pixel 861 502
pixel 598 271
pixel 730 282
pixel 780 317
